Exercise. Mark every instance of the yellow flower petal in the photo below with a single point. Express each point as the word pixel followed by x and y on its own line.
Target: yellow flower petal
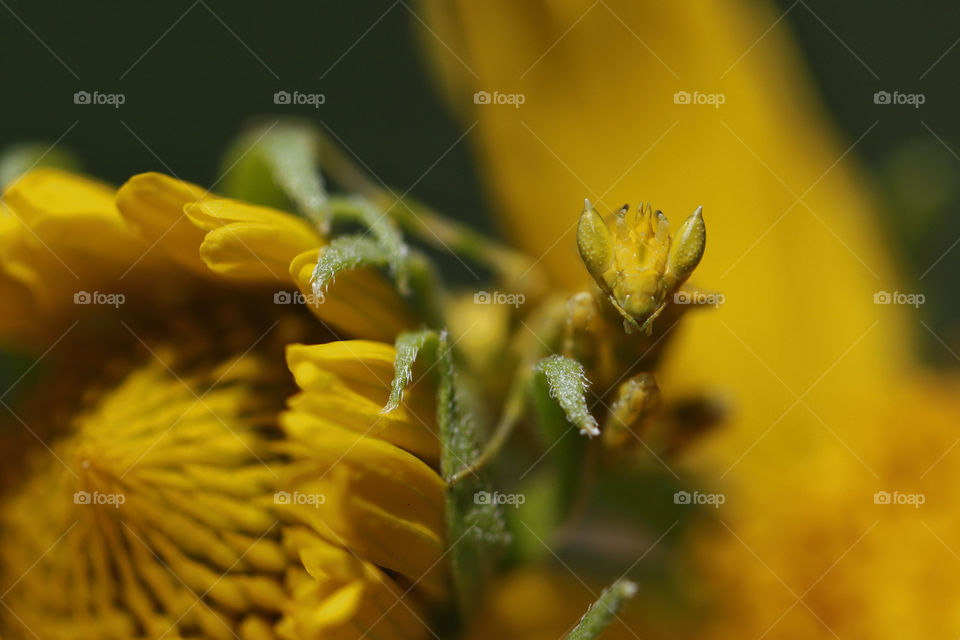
pixel 379 501
pixel 153 204
pixel 68 235
pixel 347 383
pixel 18 315
pixel 250 242
pixel 257 245
pixel 343 597
pixel 359 303
pixel 60 234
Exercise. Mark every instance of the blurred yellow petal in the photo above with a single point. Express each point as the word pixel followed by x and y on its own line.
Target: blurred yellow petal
pixel 601 121
pixel 55 247
pixel 61 234
pixel 18 315
pixel 153 204
pixel 344 597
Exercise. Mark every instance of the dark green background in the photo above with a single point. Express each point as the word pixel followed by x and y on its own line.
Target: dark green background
pixel 198 86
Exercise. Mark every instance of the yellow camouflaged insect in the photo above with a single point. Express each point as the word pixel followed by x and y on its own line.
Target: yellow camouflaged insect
pixel 607 337
pixel 638 265
pixel 639 268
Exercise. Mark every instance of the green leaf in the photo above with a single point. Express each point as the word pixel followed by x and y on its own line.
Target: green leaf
pixel 408 346
pixel 381 226
pixel 17 159
pixel 345 254
pixel 355 251
pixel 476 528
pixel 602 612
pixel 568 385
pixel 276 164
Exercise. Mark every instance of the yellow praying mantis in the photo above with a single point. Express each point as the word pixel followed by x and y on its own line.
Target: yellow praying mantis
pixel 607 336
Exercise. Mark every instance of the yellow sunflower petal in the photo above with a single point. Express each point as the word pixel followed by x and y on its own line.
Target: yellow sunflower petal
pixel 377 500
pixel 18 314
pixel 250 242
pixel 60 235
pixel 153 204
pixel 359 303
pixel 342 596
pixel 348 383
pixel 254 244
pixel 69 234
pixel 371 497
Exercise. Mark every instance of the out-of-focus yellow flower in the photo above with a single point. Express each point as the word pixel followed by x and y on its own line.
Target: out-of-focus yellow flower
pixel 815 372
pixel 204 472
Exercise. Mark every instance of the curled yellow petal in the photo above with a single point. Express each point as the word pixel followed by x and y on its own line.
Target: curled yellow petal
pixel 349 381
pixel 250 242
pixel 357 303
pixel 153 204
